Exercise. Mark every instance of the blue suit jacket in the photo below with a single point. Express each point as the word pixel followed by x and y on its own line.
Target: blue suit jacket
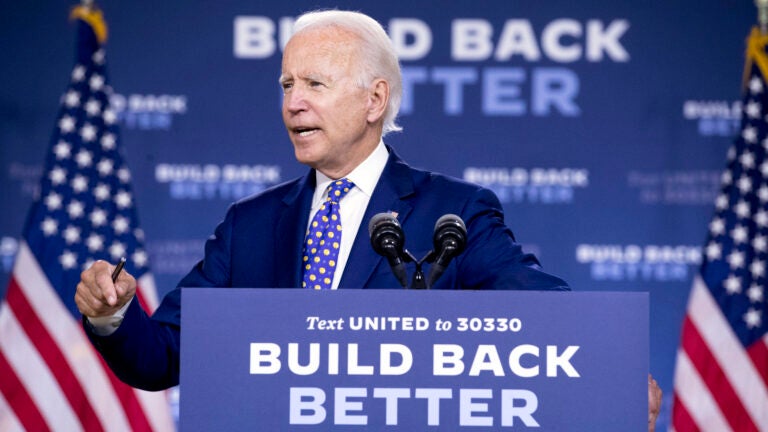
pixel 259 245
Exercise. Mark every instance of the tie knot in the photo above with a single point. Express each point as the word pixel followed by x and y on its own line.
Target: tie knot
pixel 338 189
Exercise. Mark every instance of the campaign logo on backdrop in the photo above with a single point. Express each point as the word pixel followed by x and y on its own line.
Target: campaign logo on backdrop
pixel 512 91
pixel 633 262
pixel 696 187
pixel 215 182
pixel 8 248
pixel 27 176
pixel 714 117
pixel 530 185
pixel 148 111
pixel 174 257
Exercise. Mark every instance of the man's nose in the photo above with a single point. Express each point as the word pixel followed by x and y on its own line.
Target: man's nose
pixel 294 101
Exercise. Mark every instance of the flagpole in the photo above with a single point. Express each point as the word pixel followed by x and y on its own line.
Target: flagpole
pixel 762 15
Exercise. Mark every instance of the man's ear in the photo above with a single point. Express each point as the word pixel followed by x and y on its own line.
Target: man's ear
pixel 378 99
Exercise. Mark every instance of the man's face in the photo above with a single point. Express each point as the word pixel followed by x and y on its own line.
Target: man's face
pixel 325 110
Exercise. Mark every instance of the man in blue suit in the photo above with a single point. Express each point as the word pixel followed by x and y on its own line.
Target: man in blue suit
pixel 342 90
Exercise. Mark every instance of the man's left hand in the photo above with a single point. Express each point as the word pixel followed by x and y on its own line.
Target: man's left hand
pixel 654 403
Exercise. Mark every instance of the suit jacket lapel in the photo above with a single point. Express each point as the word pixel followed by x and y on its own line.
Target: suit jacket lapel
pixel 393 187
pixel 290 230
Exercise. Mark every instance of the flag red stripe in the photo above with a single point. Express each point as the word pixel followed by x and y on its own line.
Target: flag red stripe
pixel 758 352
pixel 54 358
pixel 719 387
pixel 681 418
pixel 19 400
pixel 142 302
pixel 131 405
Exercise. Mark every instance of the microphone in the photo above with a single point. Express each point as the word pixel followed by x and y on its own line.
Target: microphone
pixel 387 239
pixel 449 240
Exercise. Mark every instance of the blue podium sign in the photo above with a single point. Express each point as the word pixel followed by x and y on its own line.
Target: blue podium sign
pixel 274 359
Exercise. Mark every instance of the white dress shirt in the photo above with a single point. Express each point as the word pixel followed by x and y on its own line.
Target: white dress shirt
pixel 352 206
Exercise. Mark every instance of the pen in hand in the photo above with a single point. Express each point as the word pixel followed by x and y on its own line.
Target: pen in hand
pixel 118 269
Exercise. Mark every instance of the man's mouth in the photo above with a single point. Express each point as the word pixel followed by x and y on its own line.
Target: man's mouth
pixel 304 131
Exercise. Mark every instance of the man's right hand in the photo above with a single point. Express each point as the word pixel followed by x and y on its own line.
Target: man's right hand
pixel 98 296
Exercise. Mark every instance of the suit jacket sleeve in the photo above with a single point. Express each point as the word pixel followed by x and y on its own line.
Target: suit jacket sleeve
pixel 144 351
pixel 493 259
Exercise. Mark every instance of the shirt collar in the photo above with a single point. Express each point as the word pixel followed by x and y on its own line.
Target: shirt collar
pixel 364 176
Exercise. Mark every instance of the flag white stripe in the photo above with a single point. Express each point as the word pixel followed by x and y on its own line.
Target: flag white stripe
pixel 32 371
pixel 148 290
pixel 69 336
pixel 696 397
pixel 8 420
pixel 155 407
pixel 729 353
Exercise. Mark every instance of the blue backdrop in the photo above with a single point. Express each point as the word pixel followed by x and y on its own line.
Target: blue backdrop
pixel 603 127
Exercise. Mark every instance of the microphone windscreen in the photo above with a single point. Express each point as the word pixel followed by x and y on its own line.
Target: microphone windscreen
pixel 450 220
pixel 378 218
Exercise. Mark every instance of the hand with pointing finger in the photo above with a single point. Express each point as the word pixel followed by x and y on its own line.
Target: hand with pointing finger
pixel 97 295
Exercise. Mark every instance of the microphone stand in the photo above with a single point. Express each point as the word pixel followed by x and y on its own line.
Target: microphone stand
pixel 418 281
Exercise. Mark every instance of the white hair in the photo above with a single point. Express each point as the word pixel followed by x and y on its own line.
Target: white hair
pixel 379 59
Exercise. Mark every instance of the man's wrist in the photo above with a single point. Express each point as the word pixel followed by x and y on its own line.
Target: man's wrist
pixel 106 325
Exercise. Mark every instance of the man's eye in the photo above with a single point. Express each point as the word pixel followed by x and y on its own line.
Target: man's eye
pixel 287 86
pixel 315 84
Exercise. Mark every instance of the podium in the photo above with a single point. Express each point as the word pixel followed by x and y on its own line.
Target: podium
pixel 291 359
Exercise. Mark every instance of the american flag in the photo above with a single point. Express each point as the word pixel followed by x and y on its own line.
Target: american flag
pixel 51 378
pixel 721 377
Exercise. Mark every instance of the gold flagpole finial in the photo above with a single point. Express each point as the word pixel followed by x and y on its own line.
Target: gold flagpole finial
pixel 762 15
pixel 91 14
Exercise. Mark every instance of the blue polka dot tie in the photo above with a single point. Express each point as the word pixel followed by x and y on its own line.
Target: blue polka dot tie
pixel 321 246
